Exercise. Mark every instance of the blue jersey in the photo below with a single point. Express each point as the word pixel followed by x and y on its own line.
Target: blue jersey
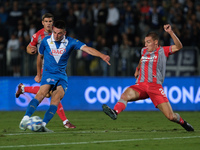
pixel 56 54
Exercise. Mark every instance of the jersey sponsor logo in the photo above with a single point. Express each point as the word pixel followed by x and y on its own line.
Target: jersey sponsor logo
pixel 145 58
pixel 56 52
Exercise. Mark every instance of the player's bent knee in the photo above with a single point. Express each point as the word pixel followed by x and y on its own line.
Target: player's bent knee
pixel 124 96
pixel 129 96
pixel 40 96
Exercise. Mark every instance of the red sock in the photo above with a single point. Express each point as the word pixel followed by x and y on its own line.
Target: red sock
pixel 31 89
pixel 119 107
pixel 60 112
pixel 181 121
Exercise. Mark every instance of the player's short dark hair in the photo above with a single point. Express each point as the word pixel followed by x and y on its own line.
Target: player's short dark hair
pixel 60 24
pixel 153 35
pixel 47 15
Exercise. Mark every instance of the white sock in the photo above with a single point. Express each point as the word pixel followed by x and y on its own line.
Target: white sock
pixel 64 122
pixel 22 87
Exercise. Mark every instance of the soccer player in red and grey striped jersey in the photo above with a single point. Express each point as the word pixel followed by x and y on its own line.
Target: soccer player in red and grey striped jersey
pixel 32 48
pixel 150 74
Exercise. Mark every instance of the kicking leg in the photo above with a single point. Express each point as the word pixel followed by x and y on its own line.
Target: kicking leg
pixel 56 97
pixel 33 105
pixel 29 89
pixel 128 95
pixel 166 109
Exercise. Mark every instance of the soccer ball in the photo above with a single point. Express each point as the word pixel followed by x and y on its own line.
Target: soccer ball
pixel 34 123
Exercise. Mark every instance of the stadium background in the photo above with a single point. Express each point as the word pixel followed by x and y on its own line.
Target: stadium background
pixel 20 19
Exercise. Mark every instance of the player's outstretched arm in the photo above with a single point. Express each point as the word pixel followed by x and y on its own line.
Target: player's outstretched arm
pixel 95 52
pixel 178 45
pixel 31 50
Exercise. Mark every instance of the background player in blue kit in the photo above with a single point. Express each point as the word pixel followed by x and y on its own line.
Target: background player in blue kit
pixel 55 50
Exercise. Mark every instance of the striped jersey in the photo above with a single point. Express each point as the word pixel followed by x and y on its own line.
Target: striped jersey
pixel 56 53
pixel 153 64
pixel 38 37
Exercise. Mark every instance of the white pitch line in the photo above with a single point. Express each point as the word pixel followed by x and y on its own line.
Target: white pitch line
pixel 72 132
pixel 95 142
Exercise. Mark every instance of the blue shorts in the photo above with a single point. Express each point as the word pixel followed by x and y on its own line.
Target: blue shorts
pixel 55 80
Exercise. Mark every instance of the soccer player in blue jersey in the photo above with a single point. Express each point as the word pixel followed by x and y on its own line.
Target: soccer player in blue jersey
pixel 55 50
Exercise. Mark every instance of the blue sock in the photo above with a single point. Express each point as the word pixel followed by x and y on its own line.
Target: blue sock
pixel 32 107
pixel 50 113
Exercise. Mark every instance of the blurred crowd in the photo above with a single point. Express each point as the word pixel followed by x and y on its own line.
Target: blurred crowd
pixel 116 28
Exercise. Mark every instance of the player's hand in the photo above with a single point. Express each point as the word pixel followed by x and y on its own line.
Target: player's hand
pixel 37 79
pixel 33 49
pixel 136 73
pixel 168 28
pixel 106 58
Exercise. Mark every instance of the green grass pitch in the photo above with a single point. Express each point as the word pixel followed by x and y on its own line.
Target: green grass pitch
pixel 96 131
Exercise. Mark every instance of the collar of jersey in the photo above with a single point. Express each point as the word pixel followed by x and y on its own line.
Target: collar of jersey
pixel 155 49
pixel 53 40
